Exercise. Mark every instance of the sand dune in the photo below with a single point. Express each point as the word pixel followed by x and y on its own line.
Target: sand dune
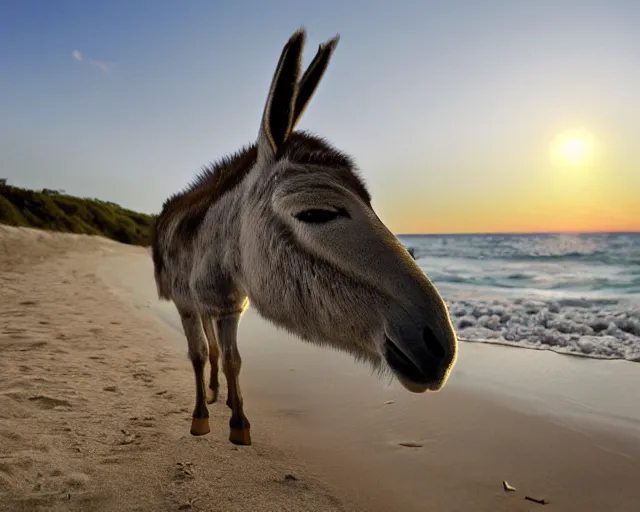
pixel 95 404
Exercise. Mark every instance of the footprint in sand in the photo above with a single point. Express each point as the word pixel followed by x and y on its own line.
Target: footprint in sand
pixel 48 402
pixel 146 422
pixel 22 347
pixel 189 505
pixel 184 471
pixel 293 480
pixel 77 480
pixel 144 376
pixel 57 481
pixel 111 460
pixel 129 437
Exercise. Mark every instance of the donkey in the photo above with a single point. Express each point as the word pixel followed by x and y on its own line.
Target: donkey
pixel 287 224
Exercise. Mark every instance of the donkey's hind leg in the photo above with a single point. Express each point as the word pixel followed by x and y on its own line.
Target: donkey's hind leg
pixel 198 354
pixel 214 352
pixel 227 330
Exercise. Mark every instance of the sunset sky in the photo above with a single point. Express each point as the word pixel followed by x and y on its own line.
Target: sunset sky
pixel 464 116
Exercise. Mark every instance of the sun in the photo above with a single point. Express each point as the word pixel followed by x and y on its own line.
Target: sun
pixel 574 150
pixel 572 147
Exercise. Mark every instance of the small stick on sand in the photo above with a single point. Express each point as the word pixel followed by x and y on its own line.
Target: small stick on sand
pixel 507 487
pixel 535 500
pixel 411 444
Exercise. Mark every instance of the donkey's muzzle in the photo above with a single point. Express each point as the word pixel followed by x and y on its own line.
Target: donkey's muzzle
pixel 420 364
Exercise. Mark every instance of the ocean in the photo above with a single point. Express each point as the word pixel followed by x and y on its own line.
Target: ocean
pixel 571 293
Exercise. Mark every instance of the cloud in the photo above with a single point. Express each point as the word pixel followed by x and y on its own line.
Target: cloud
pixel 101 64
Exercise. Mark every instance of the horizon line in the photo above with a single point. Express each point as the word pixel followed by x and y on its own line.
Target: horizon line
pixel 562 232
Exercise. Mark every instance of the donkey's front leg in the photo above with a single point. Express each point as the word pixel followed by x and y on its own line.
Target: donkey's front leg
pixel 227 330
pixel 214 352
pixel 198 354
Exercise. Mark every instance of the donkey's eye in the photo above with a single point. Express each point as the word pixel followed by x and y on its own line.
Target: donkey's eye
pixel 319 216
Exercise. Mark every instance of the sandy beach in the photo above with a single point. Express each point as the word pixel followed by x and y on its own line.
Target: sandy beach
pixel 96 393
pixel 95 400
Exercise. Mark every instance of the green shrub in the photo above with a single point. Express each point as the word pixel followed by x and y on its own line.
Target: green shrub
pixel 60 212
pixel 9 214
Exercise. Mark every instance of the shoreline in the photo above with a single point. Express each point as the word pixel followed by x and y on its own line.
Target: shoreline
pixel 515 344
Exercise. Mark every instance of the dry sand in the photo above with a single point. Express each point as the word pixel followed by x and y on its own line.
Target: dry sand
pixel 95 410
pixel 96 393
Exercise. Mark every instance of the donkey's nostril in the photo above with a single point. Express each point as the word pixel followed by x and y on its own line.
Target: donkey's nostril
pixel 434 346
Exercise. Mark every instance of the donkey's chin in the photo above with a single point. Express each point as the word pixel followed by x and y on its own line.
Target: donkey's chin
pixel 409 375
pixel 419 387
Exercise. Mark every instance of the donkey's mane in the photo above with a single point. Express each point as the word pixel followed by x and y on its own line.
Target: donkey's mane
pixel 219 177
pixel 213 181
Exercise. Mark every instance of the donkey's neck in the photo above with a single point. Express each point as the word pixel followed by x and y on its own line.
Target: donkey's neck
pixel 218 239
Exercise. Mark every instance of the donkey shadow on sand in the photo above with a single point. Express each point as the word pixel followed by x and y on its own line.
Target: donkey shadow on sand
pixel 287 224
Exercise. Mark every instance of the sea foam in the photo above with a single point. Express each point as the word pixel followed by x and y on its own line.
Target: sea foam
pixel 590 328
pixel 572 294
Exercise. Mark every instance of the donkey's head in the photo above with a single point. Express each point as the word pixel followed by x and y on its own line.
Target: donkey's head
pixel 318 261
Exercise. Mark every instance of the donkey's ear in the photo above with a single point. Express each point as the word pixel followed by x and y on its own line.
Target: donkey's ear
pixel 312 76
pixel 277 119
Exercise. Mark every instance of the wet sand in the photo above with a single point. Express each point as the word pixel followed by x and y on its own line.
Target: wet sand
pixel 558 428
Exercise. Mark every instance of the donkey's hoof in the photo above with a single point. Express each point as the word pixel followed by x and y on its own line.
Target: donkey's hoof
pixel 200 426
pixel 212 395
pixel 240 436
